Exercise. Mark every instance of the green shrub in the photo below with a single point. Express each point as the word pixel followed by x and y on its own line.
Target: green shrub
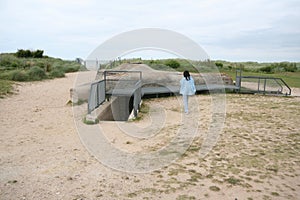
pixel 219 65
pixel 267 69
pixel 57 73
pixel 290 67
pixel 173 63
pixel 71 68
pixel 36 73
pixel 38 53
pixel 26 65
pixel 9 62
pixel 21 53
pixel 5 87
pixel 279 67
pixel 7 75
pixel 20 76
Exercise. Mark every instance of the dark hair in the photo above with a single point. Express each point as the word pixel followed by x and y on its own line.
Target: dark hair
pixel 186 74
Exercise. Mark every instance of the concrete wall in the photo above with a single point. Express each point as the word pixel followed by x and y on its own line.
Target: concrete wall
pixel 81 92
pixel 117 109
pixel 120 108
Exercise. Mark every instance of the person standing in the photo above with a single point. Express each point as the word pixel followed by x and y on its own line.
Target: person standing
pixel 187 88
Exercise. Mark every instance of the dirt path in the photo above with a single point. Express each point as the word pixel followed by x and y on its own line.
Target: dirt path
pixel 41 156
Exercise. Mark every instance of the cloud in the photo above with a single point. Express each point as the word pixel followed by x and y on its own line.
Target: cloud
pixel 72 28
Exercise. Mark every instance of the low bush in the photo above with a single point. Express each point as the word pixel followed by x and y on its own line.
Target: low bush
pixel 290 67
pixel 57 73
pixel 36 73
pixel 20 76
pixel 267 69
pixel 279 67
pixel 10 62
pixel 21 53
pixel 219 64
pixel 7 75
pixel 71 68
pixel 5 87
pixel 172 63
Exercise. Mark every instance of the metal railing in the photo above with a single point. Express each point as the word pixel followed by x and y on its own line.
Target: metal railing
pixel 262 84
pixel 97 95
pixel 115 83
pixel 137 97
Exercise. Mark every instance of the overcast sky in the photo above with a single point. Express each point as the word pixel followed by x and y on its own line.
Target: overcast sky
pixel 234 30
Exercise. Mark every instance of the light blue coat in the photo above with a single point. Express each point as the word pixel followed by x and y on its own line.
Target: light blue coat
pixel 187 87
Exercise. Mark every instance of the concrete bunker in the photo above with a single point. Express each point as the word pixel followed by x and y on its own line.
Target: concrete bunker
pixel 119 108
pixel 125 85
pixel 116 96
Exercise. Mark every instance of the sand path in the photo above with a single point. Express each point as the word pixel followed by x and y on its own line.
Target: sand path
pixel 42 157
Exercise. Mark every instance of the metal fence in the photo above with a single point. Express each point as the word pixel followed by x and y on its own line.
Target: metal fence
pixel 97 95
pixel 262 84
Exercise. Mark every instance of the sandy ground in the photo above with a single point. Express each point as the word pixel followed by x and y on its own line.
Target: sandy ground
pixel 42 157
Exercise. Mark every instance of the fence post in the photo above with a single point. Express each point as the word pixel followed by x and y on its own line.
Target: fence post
pixel 265 82
pixel 238 79
pixel 258 85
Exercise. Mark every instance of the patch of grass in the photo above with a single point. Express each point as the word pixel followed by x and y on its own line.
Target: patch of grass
pixel 173 172
pixel 291 78
pixel 273 168
pixel 209 176
pixel 258 181
pixel 78 103
pixel 246 178
pixel 185 197
pixel 144 110
pixel 214 188
pixel 263 176
pixel 36 74
pixel 195 177
pixel 149 190
pixel 88 122
pixel 246 185
pixel 56 73
pixel 175 109
pixel 266 197
pixel 234 170
pixel 6 87
pixel 194 148
pixel 13 181
pixel 33 68
pixel 20 76
pixel 250 161
pixel 275 194
pixel 217 181
pixel 233 181
pixel 131 195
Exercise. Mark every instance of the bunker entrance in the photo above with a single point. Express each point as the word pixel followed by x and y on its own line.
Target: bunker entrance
pixel 118 92
pixel 119 108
